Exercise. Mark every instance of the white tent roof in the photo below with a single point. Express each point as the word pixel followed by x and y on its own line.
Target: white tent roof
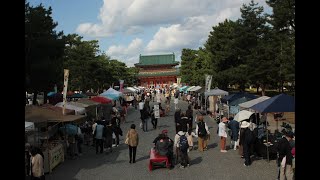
pixel 196 88
pixel 132 89
pixel 249 104
pixel 78 110
pixel 216 92
pixel 189 88
pixel 28 126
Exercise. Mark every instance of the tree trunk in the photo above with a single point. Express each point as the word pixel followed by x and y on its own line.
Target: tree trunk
pixel 282 90
pixel 45 97
pixel 34 101
pixel 258 86
pixel 263 90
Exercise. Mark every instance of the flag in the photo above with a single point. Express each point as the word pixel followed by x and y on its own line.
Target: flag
pixel 65 87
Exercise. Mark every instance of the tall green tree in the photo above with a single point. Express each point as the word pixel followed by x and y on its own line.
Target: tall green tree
pixel 44 50
pixel 254 43
pixel 187 65
pixel 283 22
pixel 224 55
pixel 82 61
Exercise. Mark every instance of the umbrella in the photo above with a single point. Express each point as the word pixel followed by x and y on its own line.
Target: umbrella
pixel 242 115
pixel 101 99
pixel 69 129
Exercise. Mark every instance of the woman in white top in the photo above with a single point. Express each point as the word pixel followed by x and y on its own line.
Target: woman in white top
pixel 223 134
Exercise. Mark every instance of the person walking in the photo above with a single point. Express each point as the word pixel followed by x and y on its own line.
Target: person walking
pixel 132 139
pixel 285 157
pixel 234 126
pixel 223 134
pixel 189 114
pixel 202 131
pixel 37 164
pixel 246 142
pixel 145 116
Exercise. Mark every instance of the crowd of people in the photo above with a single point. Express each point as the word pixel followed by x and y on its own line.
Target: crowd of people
pixel 104 133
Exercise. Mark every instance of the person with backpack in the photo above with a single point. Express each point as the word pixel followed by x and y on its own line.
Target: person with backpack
pixel 223 134
pixel 202 131
pixel 164 146
pixel 183 149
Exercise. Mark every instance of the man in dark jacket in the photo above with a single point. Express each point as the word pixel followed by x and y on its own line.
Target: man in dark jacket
pixel 285 157
pixel 234 126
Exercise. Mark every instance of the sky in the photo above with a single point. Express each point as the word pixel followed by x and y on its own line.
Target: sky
pixel 127 28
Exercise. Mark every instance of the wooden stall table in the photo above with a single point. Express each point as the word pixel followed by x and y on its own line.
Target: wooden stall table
pixel 53 157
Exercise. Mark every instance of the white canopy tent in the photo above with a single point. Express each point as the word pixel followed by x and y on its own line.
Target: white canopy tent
pixel 28 126
pixel 195 89
pixel 249 104
pixel 216 92
pixel 78 110
pixel 189 88
pixel 132 89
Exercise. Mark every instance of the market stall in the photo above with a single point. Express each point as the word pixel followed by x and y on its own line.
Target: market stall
pixel 276 104
pixel 45 133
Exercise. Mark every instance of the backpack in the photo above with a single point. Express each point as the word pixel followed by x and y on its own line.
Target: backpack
pixel 183 143
pixel 162 147
pixel 202 132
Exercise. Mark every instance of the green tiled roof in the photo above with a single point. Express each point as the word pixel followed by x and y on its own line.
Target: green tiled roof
pixel 171 73
pixel 157 60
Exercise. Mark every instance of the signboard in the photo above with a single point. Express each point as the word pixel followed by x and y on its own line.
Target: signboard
pixel 208 82
pixel 156 111
pixel 56 156
pixel 178 81
pixel 121 85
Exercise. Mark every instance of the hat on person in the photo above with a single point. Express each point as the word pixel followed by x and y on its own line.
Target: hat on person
pixel 245 124
pixel 164 131
pixel 290 134
pixel 224 119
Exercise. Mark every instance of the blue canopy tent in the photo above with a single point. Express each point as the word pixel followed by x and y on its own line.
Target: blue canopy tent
pixel 233 100
pixel 279 103
pixel 112 94
pixel 183 88
pixel 234 105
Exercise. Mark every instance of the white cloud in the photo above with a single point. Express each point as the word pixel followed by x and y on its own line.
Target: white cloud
pixel 182 24
pixel 126 54
pixel 119 16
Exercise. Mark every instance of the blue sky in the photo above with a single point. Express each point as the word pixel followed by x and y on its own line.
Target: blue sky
pixel 127 28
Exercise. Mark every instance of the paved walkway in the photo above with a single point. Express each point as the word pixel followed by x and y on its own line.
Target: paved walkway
pixel 211 164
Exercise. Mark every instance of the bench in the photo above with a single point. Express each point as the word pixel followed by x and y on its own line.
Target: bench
pixel 157 160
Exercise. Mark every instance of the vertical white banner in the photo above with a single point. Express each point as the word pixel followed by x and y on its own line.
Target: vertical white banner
pixel 178 81
pixel 121 85
pixel 65 87
pixel 156 111
pixel 208 82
